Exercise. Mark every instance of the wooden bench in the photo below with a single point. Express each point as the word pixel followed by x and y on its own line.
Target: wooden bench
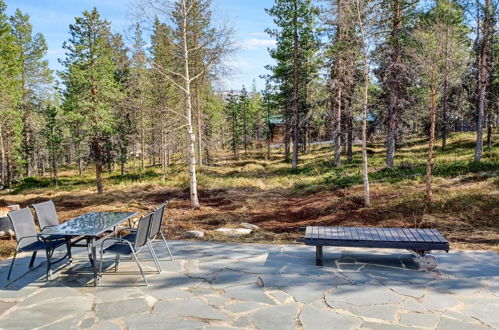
pixel 420 241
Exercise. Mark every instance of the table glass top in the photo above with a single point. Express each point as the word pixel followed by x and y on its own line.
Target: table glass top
pixel 89 224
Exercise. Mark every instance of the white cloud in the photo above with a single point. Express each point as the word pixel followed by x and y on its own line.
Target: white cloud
pixel 259 34
pixel 255 43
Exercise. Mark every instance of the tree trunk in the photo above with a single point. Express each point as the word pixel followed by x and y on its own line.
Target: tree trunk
pixel 142 139
pixel 429 163
pixel 445 91
pixel 490 119
pixel 286 142
pixel 98 178
pixel 269 132
pixel 187 94
pixel 349 137
pixel 296 114
pixel 365 165
pixel 245 128
pixel 97 155
pixel 54 169
pixel 2 151
pixel 483 78
pixel 337 133
pixel 394 86
pixel 234 131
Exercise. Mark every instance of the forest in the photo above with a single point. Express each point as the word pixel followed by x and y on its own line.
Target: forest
pixel 360 93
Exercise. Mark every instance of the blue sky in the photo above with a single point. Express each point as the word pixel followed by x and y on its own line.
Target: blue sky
pixel 248 18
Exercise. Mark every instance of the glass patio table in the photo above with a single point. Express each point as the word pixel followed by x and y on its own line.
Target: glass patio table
pixel 90 226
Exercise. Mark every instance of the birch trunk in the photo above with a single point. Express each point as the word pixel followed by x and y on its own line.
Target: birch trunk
pixel 188 112
pixel 365 164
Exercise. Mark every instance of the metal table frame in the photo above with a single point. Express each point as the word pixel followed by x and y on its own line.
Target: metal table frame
pixel 89 234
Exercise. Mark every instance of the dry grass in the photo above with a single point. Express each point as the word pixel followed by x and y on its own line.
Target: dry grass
pixel 280 200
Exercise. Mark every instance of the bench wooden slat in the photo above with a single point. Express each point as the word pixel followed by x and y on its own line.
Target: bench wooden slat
pixel 322 232
pixel 409 235
pixel 308 232
pixel 416 234
pixel 431 235
pixel 381 234
pixel 425 236
pixel 369 235
pixel 402 235
pixel 375 234
pixel 439 236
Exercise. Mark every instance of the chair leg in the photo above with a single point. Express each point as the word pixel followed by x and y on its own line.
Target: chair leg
pixel 100 262
pixel 68 247
pixel 140 268
pixel 32 261
pixel 49 265
pixel 167 247
pixel 12 265
pixel 116 262
pixel 154 256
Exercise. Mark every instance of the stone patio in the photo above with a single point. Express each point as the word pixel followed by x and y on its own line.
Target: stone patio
pixel 254 286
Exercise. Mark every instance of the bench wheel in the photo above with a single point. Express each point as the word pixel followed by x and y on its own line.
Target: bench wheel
pixel 428 262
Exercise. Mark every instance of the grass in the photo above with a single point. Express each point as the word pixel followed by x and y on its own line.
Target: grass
pixel 280 200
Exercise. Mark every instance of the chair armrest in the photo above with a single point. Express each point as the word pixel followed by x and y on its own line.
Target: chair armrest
pixel 125 229
pixel 38 237
pixel 117 239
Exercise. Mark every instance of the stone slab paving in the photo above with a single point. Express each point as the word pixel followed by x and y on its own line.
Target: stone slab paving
pixel 255 286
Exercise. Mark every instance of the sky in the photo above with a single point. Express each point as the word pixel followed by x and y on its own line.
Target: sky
pixel 248 19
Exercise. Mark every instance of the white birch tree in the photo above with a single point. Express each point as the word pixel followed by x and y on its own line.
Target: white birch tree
pixel 214 43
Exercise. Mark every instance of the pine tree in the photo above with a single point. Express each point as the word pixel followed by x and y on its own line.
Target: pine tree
pixel 34 76
pixel 10 119
pixel 296 40
pixel 399 15
pixel 244 106
pixel 485 14
pixel 53 132
pixel 125 127
pixel 91 87
pixel 233 115
pixel 164 97
pixel 437 63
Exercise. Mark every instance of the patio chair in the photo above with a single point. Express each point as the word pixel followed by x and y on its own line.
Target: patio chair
pixel 155 229
pixel 122 246
pixel 28 240
pixel 46 215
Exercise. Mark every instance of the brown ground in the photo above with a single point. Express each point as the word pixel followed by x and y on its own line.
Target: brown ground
pixel 281 202
pixel 280 214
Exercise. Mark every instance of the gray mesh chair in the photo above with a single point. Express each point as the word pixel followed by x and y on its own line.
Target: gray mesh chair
pixel 122 246
pixel 154 231
pixel 28 240
pixel 46 215
pixel 156 225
